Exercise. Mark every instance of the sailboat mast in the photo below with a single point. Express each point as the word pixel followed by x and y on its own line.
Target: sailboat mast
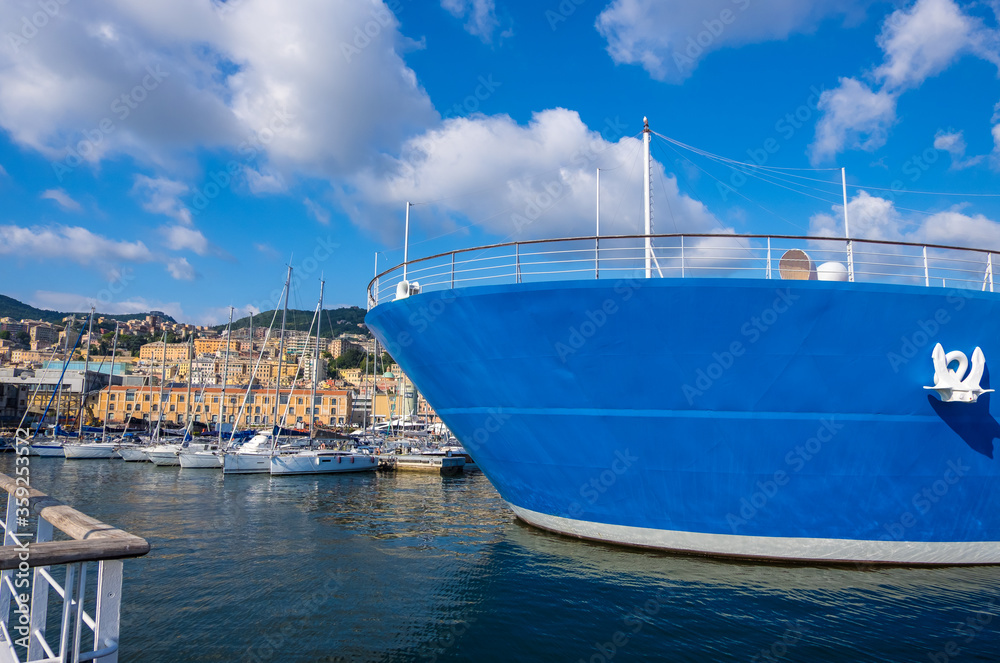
pixel 281 351
pixel 72 319
pixel 225 375
pixel 111 379
pixel 163 377
pixel 187 415
pixel 86 368
pixel 646 198
pixel 312 396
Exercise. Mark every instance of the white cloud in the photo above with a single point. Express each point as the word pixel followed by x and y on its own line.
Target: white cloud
pixel 180 238
pixel 180 269
pixel 159 80
pixel 854 117
pixel 482 18
pixel 519 181
pixel 917 42
pixel 71 302
pixel 62 199
pixel 953 142
pixel 317 211
pixel 924 40
pixel 71 242
pixel 163 196
pixel 668 38
pixel 264 182
pixel 875 218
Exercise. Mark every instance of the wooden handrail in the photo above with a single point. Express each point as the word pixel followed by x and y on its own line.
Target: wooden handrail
pixel 92 539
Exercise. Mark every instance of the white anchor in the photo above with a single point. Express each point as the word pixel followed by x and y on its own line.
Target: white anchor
pixel 949 384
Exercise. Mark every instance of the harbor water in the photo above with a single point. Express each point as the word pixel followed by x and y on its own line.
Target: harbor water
pixel 417 567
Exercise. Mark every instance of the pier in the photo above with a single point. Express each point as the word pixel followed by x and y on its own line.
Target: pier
pixel 32 553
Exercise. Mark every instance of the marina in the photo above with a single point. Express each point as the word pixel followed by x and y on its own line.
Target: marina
pixel 412 566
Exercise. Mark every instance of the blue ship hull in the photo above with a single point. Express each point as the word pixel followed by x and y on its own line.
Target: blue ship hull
pixel 754 418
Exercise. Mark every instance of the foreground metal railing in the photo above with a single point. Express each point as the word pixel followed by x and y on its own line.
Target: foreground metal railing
pixel 688 256
pixel 26 626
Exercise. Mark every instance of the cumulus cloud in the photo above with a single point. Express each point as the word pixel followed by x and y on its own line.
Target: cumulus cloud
pixel 180 238
pixel 539 180
pixel 668 38
pixel 853 117
pixel 70 242
pixel 875 218
pixel 480 14
pixel 162 79
pixel 953 142
pixel 317 211
pixel 180 269
pixel 917 42
pixel 163 196
pixel 62 199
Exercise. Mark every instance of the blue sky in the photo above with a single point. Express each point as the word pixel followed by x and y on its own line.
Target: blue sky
pixel 176 154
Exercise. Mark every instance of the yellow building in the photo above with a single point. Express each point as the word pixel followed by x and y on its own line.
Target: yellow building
pixel 204 346
pixel 332 407
pixel 154 351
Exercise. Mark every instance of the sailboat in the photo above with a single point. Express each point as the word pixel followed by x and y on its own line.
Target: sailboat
pixel 211 457
pixel 320 460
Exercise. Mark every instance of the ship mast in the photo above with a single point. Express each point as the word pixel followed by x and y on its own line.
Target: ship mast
pixel 281 356
pixel 86 369
pixel 111 380
pixel 225 375
pixel 646 198
pixel 312 396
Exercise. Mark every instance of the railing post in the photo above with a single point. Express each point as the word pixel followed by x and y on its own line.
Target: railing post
pixel 767 272
pixel 682 256
pixel 988 277
pixel 517 262
pixel 453 271
pixel 109 592
pixel 10 528
pixel 927 274
pixel 850 260
pixel 39 597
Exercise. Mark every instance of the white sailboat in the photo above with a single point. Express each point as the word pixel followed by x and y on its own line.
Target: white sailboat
pixel 319 461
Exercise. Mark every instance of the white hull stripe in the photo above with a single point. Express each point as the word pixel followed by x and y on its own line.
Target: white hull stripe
pixel 764 547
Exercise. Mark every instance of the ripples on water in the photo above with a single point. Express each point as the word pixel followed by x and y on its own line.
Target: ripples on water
pixel 383 567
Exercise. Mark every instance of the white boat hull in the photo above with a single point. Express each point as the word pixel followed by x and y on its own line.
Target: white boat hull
pixel 133 454
pixel 163 458
pixel 322 462
pixel 47 450
pixel 251 463
pixel 103 450
pixel 200 459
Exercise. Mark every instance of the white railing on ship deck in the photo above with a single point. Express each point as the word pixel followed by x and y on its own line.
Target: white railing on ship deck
pixel 688 256
pixel 29 559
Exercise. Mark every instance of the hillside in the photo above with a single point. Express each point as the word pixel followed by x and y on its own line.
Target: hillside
pixel 11 308
pixel 335 321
